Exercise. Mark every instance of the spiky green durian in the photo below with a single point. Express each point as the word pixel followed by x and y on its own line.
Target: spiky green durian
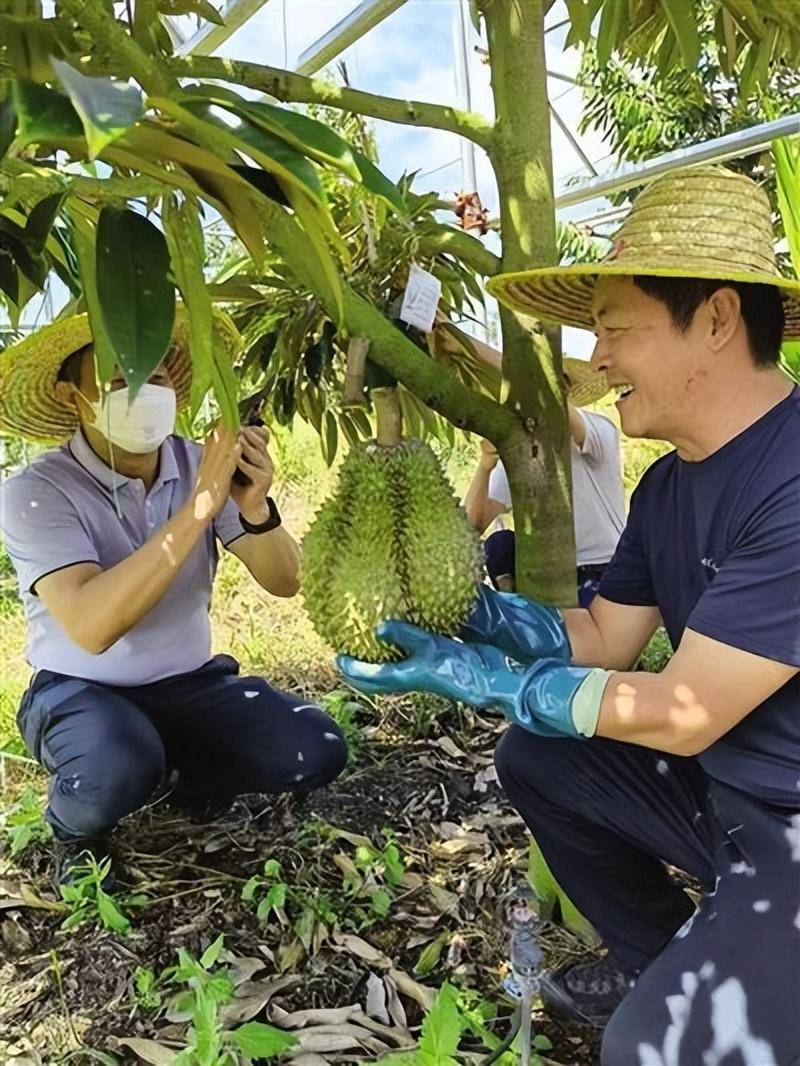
pixel 392 542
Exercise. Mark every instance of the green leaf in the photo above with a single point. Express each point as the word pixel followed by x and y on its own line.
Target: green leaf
pixel 272 868
pixel 85 236
pixel 211 954
pixel 249 890
pixel 270 151
pixel 259 1041
pixel 137 297
pixel 186 243
pixel 683 20
pixel 8 123
pixel 107 108
pixel 40 220
pixel 430 955
pixel 441 1028
pixel 610 35
pixel 110 915
pixel 542 1042
pixel 202 8
pixel 380 901
pixel 786 153
pixel 330 438
pixel 44 116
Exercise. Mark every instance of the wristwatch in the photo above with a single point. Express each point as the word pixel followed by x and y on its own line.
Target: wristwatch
pixel 272 522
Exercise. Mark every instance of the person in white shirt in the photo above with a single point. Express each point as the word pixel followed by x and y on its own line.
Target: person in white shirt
pixel 598 495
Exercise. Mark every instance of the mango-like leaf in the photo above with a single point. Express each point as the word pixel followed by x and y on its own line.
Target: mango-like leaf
pixel 84 233
pixel 137 297
pixel 313 139
pixel 44 116
pixel 683 20
pixel 259 1041
pixel 613 19
pixel 186 244
pixel 40 221
pixel 106 108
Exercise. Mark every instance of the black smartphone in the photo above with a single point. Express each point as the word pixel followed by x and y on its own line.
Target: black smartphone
pixel 251 418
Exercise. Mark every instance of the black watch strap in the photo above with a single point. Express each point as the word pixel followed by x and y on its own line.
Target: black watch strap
pixel 272 522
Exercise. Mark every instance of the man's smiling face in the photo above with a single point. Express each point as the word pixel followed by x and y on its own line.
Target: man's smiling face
pixel 655 368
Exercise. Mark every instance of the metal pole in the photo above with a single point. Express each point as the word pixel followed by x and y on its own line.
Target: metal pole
pixel 208 39
pixel 572 140
pixel 353 26
pixel 464 94
pixel 718 150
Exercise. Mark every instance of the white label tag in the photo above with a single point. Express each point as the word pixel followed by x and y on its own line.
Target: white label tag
pixel 421 299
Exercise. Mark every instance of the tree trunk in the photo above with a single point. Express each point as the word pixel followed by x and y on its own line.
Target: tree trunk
pixel 538 467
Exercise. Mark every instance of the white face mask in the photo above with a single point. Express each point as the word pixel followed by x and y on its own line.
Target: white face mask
pixel 140 426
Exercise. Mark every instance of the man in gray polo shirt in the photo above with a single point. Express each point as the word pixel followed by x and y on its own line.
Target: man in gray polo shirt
pixel 114 539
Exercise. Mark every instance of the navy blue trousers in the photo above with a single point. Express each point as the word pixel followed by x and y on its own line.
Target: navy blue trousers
pixel 109 747
pixel 716 986
pixel 499 551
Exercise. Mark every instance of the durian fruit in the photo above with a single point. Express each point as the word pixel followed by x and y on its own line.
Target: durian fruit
pixel 392 542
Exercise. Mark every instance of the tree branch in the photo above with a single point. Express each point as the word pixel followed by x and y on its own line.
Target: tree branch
pixel 135 62
pixel 466 248
pixel 296 88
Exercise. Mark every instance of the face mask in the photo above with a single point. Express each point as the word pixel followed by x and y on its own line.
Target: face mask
pixel 140 426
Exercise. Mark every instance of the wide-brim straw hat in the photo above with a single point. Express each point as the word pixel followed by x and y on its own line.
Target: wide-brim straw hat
pixel 586 386
pixel 699 222
pixel 29 370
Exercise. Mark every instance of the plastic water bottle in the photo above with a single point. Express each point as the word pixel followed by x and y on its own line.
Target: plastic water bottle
pixel 525 955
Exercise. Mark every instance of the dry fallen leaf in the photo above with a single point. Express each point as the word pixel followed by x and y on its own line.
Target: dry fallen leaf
pixel 149 1051
pixel 361 949
pixel 376 999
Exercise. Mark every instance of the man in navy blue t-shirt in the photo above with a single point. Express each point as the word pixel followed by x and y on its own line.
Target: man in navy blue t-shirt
pixel 619 773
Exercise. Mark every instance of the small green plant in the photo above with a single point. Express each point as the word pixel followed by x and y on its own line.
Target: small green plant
pixel 87 900
pixel 147 989
pixel 268 891
pixel 25 824
pixel 454 1013
pixel 209 1042
pixel 344 710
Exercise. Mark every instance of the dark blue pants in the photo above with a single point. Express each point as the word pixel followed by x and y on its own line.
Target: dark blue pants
pixel 719 985
pixel 108 747
pixel 499 549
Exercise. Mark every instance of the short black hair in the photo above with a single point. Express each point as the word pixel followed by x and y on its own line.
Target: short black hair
pixel 762 308
pixel 70 369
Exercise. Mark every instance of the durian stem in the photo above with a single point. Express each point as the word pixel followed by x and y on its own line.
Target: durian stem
pixel 388 416
pixel 354 371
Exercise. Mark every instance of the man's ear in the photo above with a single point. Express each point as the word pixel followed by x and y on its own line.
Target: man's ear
pixel 724 310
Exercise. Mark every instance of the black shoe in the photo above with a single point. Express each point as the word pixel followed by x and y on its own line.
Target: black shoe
pixel 71 857
pixel 585 992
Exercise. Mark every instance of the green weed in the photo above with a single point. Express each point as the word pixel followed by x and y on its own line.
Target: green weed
pixel 25 824
pixel 87 900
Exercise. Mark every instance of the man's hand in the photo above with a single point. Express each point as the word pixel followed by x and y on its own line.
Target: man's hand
pixel 489 457
pixel 256 463
pixel 221 455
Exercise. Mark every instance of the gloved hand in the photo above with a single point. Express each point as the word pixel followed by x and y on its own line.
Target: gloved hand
pixel 521 627
pixel 547 698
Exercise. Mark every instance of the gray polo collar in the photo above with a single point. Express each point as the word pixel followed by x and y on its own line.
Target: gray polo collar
pixel 81 451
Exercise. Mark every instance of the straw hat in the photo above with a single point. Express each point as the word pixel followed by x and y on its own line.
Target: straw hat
pixel 699 222
pixel 586 386
pixel 29 371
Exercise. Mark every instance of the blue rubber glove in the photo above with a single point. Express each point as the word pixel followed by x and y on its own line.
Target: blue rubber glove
pixel 547 698
pixel 521 627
